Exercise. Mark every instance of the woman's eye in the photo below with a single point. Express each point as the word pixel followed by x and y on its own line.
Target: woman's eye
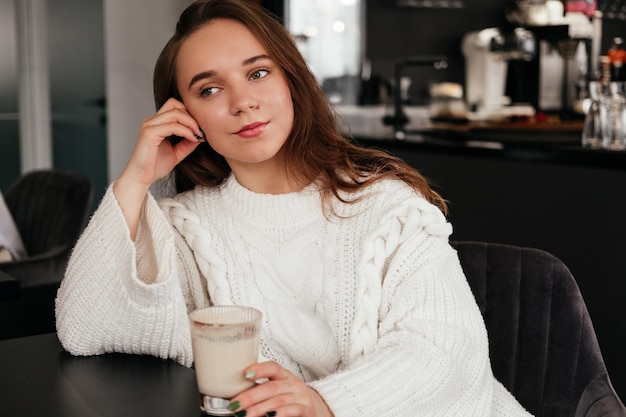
pixel 209 91
pixel 258 74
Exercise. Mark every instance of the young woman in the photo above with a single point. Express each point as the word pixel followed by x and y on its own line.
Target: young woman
pixel 345 250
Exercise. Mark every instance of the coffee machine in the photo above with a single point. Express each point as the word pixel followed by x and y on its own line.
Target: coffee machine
pixel 554 80
pixel 487 53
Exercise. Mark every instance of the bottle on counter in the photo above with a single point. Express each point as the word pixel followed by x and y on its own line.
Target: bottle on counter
pixel 617 58
pixel 605 69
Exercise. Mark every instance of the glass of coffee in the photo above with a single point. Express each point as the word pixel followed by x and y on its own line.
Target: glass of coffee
pixel 225 341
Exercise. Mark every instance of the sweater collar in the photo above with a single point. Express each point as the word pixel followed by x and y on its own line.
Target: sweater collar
pixel 272 209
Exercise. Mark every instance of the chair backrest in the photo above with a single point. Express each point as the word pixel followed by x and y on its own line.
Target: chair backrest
pixel 542 343
pixel 50 208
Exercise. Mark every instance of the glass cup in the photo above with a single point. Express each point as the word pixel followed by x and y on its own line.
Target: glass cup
pixel 613 115
pixel 225 341
pixel 592 128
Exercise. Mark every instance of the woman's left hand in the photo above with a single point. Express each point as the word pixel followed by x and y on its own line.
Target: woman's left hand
pixel 283 395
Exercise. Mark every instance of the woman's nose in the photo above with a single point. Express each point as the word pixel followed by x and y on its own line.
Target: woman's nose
pixel 242 99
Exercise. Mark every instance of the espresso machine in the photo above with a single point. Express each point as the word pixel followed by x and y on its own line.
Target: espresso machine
pixel 553 81
pixel 487 53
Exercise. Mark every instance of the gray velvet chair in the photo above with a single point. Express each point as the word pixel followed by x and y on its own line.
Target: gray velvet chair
pixel 50 208
pixel 542 343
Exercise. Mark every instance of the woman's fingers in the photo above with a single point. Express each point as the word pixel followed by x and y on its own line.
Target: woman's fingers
pixel 283 394
pixel 173 122
pixel 165 129
pixel 269 370
pixel 154 155
pixel 269 396
pixel 183 148
pixel 174 110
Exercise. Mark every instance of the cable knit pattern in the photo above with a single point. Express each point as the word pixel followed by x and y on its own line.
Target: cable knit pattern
pixel 199 237
pixel 369 307
pixel 396 226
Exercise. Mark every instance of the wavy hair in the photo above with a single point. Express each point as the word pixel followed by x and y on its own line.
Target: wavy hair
pixel 316 150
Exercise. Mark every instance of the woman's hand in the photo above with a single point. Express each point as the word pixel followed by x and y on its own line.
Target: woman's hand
pixel 283 395
pixel 155 156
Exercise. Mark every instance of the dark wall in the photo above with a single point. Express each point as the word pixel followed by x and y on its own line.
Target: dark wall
pixel 394 32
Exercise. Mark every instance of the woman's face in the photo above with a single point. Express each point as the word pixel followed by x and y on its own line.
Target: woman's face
pixel 237 94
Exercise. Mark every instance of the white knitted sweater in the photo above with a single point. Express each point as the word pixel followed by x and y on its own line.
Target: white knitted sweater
pixel 370 308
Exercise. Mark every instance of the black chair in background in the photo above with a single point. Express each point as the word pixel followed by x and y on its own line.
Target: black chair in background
pixel 50 209
pixel 542 343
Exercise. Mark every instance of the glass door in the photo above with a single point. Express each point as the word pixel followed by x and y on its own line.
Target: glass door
pixel 75 49
pixel 9 129
pixel 77 89
pixel 330 34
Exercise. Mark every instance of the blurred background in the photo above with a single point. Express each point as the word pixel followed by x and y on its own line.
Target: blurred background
pixel 75 75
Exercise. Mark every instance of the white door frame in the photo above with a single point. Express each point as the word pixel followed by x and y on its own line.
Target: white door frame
pixel 33 85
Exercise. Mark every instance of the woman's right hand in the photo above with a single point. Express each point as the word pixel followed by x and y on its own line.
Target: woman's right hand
pixel 155 156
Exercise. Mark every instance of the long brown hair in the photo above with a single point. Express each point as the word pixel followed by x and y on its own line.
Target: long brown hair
pixel 316 150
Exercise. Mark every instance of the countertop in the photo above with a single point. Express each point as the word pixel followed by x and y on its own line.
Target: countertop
pixel 552 143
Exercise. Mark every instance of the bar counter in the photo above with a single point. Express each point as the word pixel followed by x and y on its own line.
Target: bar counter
pixel 551 143
pixel 538 189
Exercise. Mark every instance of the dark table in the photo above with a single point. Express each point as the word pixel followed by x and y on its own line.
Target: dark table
pixel 38 378
pixel 9 287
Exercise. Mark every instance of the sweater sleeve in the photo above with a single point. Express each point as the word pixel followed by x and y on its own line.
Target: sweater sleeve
pixel 123 296
pixel 419 345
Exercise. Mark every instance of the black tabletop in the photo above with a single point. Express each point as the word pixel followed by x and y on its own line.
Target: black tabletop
pixel 9 286
pixel 38 378
pixel 482 146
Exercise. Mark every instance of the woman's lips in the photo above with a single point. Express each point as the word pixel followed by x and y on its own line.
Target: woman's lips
pixel 252 130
